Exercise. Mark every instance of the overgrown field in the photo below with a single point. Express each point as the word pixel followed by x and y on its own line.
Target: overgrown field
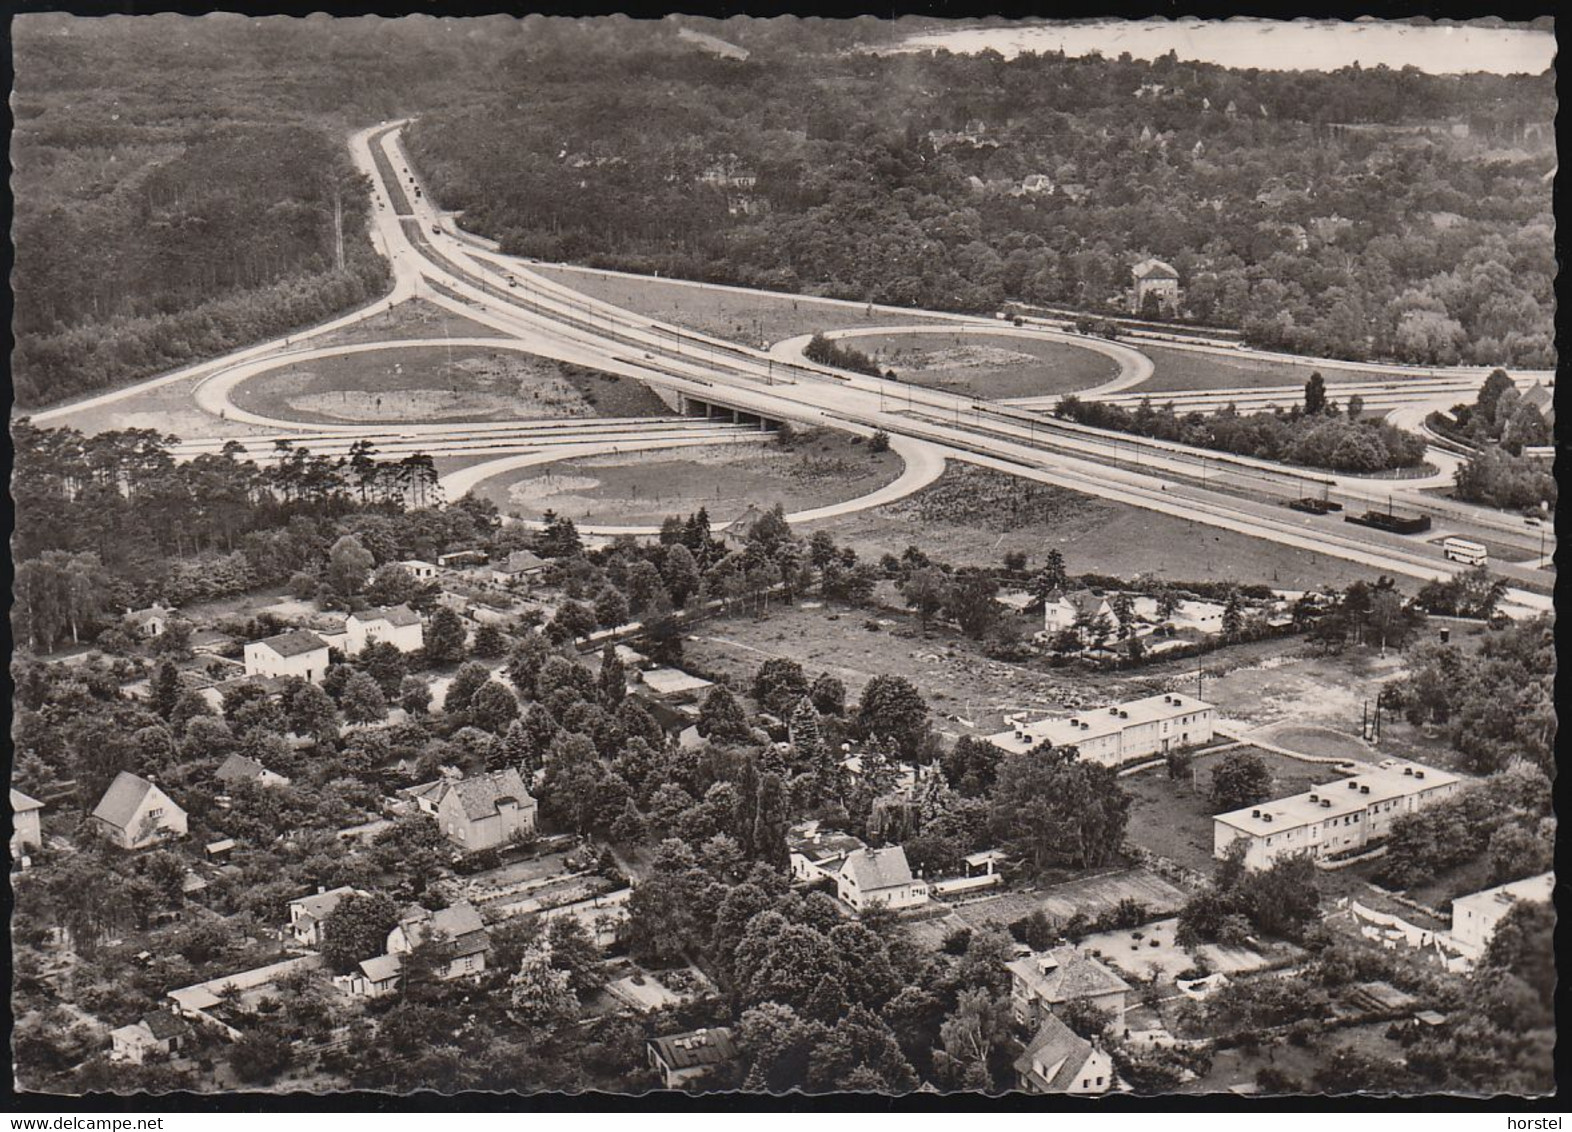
pixel 440 383
pixel 642 488
pixel 980 365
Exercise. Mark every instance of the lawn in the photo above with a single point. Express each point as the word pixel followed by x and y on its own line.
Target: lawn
pixel 1238 1065
pixel 754 318
pixel 1173 818
pixel 1090 896
pixel 454 384
pixel 642 488
pixel 1193 369
pixel 993 366
pixel 963 519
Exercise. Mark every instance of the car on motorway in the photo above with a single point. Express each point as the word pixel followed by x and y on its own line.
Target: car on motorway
pixel 1531 521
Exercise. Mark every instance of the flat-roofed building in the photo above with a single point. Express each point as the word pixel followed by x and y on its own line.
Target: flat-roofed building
pixel 1338 817
pixel 1119 734
pixel 1475 916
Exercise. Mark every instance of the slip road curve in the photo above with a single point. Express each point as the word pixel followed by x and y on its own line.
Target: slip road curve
pixel 1134 366
pixel 924 463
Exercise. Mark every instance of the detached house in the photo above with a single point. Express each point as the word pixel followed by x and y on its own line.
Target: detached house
pixel 872 877
pixel 1061 610
pixel 299 653
pixel 307 913
pixel 1039 983
pixel 150 622
pixel 134 813
pixel 1158 279
pixel 26 832
pixel 239 768
pixel 683 1060
pixel 397 625
pixel 158 1034
pixel 1059 1060
pixel 459 929
pixel 521 568
pixel 482 811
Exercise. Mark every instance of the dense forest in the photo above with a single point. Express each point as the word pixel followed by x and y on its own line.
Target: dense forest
pixel 1362 213
pixel 180 184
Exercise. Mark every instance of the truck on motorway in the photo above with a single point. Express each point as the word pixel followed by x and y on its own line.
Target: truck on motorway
pixel 1466 551
pixel 1314 506
pixel 1391 521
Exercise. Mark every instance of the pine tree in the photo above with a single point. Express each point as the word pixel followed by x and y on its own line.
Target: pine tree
pixel 166 689
pixel 613 678
pixel 516 747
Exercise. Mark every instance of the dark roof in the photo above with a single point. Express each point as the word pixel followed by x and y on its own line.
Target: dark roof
pixel 165 1024
pixel 480 794
pixel 119 803
pixel 294 643
pixel 700 1047
pixel 460 923
pixel 237 767
pixel 1074 976
pixel 1056 1045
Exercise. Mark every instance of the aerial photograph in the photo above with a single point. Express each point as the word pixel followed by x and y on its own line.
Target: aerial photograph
pixel 782 558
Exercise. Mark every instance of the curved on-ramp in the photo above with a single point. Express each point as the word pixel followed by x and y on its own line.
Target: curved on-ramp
pixel 1134 366
pixel 924 463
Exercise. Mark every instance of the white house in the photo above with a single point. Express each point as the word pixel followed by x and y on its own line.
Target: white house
pixel 483 811
pixel 397 625
pixel 1340 816
pixel 306 913
pixel 420 571
pixel 1061 610
pixel 1040 983
pixel 880 876
pixel 1475 916
pixel 458 927
pixel 1121 733
pixel 159 1033
pixel 26 832
pixel 685 1059
pixel 1156 278
pixel 133 813
pixel 296 653
pixel 1059 1060
pixel 150 622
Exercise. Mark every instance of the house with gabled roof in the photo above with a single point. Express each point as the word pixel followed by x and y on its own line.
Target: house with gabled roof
pixel 150 622
pixel 522 566
pixel 1156 278
pixel 1058 1060
pixel 26 829
pixel 134 813
pixel 1061 610
pixel 1043 982
pixel 307 913
pixel 239 768
pixel 397 625
pixel 872 877
pixel 299 652
pixel 482 811
pixel 459 929
pixel 683 1060
pixel 157 1034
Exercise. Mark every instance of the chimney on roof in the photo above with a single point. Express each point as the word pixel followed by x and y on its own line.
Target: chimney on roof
pixel 1352 785
pixel 1255 813
pixel 1408 770
pixel 1419 774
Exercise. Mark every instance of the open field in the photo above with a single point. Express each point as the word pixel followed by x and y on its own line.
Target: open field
pixel 1094 535
pixel 413 318
pixel 642 488
pixel 1193 369
pixel 441 383
pixel 752 318
pixel 1091 896
pixel 1239 1065
pixel 981 366
pixel 166 409
pixel 1173 818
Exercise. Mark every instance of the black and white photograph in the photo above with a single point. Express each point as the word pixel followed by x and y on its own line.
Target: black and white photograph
pixel 774 560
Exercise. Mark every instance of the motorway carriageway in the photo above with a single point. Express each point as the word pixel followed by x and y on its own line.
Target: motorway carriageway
pixel 850 403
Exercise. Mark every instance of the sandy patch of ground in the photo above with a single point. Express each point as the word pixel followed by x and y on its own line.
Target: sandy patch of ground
pixel 406 404
pixel 973 364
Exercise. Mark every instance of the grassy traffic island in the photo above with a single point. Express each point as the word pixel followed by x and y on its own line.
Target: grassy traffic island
pixel 987 365
pixel 642 488
pixel 453 384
